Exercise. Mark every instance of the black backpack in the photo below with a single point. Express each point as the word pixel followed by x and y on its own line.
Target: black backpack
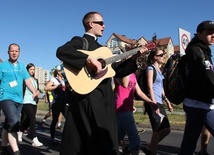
pixel 176 76
pixel 142 80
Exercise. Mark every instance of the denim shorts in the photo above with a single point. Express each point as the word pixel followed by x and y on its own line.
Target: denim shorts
pixel 12 112
pixel 155 120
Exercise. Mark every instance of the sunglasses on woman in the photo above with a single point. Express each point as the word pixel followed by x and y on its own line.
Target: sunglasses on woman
pixel 160 55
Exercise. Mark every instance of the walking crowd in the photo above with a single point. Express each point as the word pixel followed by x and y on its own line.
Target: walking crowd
pixel 97 121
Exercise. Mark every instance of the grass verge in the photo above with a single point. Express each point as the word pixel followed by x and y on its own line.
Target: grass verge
pixel 176 120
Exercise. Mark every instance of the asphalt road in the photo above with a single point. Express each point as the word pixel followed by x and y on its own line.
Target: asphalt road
pixel 169 146
pixel 44 136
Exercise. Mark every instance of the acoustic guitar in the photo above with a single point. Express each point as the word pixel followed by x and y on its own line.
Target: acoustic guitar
pixel 84 81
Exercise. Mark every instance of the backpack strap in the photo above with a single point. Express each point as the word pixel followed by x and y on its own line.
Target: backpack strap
pixel 154 72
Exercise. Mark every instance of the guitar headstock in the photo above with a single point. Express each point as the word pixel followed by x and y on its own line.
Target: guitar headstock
pixel 150 46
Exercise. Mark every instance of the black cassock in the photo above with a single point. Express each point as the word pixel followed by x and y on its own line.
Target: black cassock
pixel 90 126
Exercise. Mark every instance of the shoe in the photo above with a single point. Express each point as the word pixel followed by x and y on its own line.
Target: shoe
pixel 147 152
pixel 19 133
pixel 36 142
pixel 59 127
pixel 141 131
pixel 25 132
pixel 43 123
pixel 126 151
pixel 17 153
pixel 54 142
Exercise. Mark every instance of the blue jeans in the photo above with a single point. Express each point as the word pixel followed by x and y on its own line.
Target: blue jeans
pixel 126 126
pixel 196 118
pixel 12 112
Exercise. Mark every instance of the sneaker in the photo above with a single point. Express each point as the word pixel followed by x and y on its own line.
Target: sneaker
pixel 147 152
pixel 19 133
pixel 36 142
pixel 25 132
pixel 141 131
pixel 59 127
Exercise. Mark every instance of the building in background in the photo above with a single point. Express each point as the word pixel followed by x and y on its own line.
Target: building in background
pixel 116 43
pixel 42 76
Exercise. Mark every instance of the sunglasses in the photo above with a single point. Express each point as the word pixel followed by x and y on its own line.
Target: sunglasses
pixel 101 23
pixel 160 55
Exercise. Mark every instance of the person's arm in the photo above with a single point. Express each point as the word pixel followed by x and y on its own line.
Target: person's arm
pixel 123 81
pixel 29 84
pixel 69 54
pixel 50 86
pixel 196 65
pixel 128 66
pixel 37 82
pixel 94 65
pixel 169 105
pixel 144 97
pixel 46 97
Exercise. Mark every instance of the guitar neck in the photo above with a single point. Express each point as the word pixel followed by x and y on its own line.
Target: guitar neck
pixel 121 56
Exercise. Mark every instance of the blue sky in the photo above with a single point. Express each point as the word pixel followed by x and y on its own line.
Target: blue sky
pixel 41 26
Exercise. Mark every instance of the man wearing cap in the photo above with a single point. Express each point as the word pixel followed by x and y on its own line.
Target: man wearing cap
pixel 198 102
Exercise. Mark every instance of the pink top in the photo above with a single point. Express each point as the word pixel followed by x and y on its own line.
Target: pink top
pixel 125 96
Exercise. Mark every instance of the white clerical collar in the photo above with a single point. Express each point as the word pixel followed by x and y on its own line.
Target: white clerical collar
pixel 95 38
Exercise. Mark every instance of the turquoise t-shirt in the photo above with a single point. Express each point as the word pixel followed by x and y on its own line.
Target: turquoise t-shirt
pixel 11 81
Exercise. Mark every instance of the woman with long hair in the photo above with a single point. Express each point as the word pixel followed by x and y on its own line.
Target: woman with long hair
pixel 28 118
pixel 158 118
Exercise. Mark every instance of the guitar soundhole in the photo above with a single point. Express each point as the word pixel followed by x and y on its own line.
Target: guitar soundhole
pixel 103 63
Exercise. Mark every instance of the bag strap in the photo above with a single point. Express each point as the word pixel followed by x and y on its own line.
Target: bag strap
pixel 85 43
pixel 154 73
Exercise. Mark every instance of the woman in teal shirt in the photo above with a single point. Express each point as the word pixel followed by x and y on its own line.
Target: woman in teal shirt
pixel 28 118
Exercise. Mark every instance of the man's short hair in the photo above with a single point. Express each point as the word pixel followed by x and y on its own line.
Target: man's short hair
pixel 13 44
pixel 88 16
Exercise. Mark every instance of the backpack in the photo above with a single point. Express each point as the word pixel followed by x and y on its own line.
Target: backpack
pixel 176 76
pixel 142 81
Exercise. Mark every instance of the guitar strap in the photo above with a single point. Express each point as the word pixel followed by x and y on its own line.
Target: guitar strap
pixel 85 43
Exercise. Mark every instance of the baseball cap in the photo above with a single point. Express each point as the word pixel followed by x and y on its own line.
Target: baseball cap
pixel 205 25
